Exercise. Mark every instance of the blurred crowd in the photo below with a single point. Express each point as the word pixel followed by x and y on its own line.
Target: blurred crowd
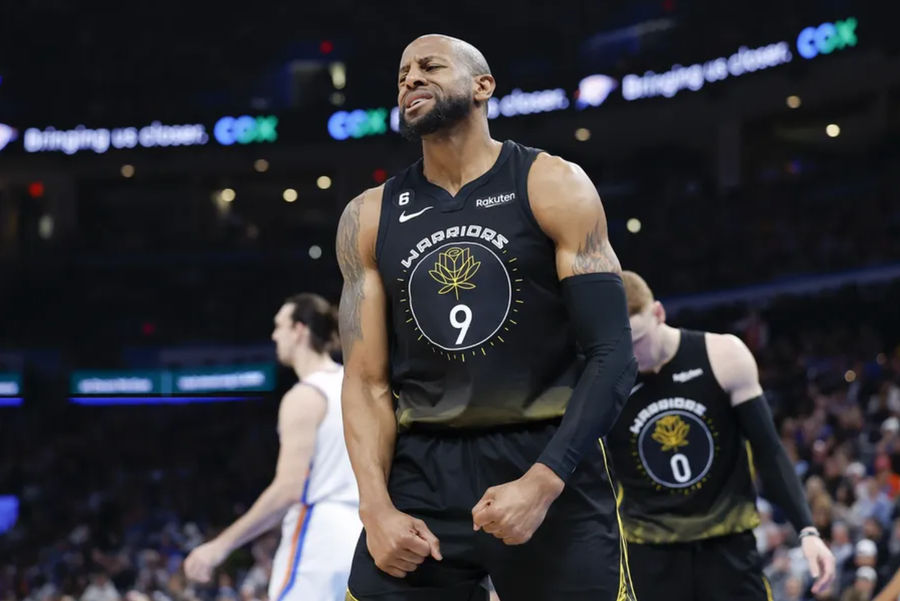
pixel 114 498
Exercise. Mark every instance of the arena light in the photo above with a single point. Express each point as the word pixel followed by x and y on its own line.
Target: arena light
pixel 45 227
pixel 260 165
pixel 793 102
pixel 338 73
pixel 315 251
pixel 227 195
pixel 323 182
pixel 633 225
pixel 36 189
pixel 289 195
pixel 582 134
pixel 127 171
pixel 833 130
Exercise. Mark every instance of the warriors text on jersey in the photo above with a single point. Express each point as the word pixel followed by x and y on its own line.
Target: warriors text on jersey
pixel 679 454
pixel 479 335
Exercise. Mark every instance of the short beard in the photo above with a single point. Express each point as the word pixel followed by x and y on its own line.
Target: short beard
pixel 445 113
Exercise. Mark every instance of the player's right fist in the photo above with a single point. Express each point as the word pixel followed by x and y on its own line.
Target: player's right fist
pixel 201 562
pixel 398 542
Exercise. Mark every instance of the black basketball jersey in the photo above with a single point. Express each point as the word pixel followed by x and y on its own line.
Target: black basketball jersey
pixel 478 332
pixel 679 455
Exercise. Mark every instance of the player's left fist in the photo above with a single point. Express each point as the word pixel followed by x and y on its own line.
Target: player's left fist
pixel 513 511
pixel 201 562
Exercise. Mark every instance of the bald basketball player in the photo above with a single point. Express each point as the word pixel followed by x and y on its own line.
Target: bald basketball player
pixel 680 453
pixel 472 428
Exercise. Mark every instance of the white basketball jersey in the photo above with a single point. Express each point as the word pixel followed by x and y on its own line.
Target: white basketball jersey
pixel 330 476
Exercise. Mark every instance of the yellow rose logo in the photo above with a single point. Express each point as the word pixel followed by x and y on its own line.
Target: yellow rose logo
pixel 453 270
pixel 671 432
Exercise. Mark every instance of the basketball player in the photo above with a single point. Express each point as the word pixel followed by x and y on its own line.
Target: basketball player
pixel 467 279
pixel 689 504
pixel 313 490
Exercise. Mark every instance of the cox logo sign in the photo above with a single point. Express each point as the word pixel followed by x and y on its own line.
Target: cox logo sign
pixel 358 123
pixel 826 38
pixel 245 130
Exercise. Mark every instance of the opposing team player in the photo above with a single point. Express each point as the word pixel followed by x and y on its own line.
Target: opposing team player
pixel 313 493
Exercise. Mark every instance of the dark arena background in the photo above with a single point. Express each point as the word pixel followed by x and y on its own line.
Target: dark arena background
pixel 171 171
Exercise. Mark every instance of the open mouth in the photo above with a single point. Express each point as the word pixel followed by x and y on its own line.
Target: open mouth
pixel 416 100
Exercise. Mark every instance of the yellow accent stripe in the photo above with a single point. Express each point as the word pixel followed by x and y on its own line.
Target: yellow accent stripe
pixel 768 588
pixel 623 543
pixel 301 520
pixel 350 596
pixel 750 460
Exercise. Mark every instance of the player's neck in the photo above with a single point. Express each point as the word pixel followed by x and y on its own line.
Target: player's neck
pixel 671 340
pixel 462 153
pixel 307 362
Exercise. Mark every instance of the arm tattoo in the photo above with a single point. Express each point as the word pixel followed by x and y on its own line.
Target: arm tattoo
pixel 595 255
pixel 350 325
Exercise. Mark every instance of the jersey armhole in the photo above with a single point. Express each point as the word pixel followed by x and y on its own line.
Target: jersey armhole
pixel 384 218
pixel 527 161
pixel 702 339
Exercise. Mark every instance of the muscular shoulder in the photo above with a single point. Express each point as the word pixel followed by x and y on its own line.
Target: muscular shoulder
pixel 358 228
pixel 559 190
pixel 567 207
pixel 733 366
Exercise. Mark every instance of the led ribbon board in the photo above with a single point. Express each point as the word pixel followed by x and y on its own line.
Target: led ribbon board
pixel 10 389
pixel 170 386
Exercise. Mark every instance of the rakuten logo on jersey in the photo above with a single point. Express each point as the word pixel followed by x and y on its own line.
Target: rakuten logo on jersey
pixel 494 201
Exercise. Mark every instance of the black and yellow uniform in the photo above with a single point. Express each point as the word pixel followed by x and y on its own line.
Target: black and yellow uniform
pixel 482 364
pixel 688 500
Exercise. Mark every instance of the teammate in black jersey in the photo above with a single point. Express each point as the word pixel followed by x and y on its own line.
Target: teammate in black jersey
pixel 680 453
pixel 471 425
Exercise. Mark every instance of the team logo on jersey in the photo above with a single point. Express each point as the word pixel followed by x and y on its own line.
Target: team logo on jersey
pixel 462 293
pixel 454 269
pixel 675 445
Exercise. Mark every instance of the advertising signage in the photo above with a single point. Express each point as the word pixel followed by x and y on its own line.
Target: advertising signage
pixel 594 90
pixel 226 130
pixel 144 385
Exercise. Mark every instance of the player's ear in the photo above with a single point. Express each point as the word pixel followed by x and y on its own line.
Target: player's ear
pixel 659 312
pixel 484 87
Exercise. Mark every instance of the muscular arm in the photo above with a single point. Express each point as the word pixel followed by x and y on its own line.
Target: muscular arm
pixel 370 426
pixel 568 209
pixel 735 370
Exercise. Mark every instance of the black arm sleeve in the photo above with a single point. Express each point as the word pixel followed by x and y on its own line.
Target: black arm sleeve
pixel 599 315
pixel 780 481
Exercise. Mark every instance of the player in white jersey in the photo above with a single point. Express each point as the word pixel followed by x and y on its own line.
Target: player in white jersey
pixel 314 489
